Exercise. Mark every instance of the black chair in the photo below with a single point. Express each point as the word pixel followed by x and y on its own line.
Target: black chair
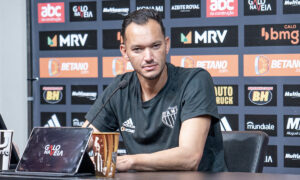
pixel 245 150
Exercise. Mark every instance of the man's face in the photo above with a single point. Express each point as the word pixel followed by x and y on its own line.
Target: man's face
pixel 146 48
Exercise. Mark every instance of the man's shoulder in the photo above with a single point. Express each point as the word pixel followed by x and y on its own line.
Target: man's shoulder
pixel 116 81
pixel 128 76
pixel 188 73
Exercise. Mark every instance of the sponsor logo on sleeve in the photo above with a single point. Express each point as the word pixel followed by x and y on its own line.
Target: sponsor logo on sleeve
pixel 259 7
pixel 53 94
pixel 272 35
pixel 53 119
pixel 84 94
pixel 226 95
pixel 115 9
pixel 212 36
pixel 113 66
pixel 291 6
pixel 292 125
pixel 291 95
pixel 70 67
pixel 216 65
pixel 229 122
pixel 112 38
pixel 158 5
pixel 83 11
pixel 272 65
pixel 221 8
pixel 260 95
pixel 68 40
pixel 271 156
pixel 265 123
pixel 51 12
pixel 78 119
pixel 292 156
pixel 185 9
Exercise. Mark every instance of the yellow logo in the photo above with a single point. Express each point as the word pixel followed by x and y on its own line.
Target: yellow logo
pixel 187 62
pixel 261 65
pixel 53 67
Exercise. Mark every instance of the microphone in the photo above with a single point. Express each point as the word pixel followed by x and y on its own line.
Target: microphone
pixel 121 85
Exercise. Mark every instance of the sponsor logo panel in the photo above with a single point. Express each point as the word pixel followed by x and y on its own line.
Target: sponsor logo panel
pixel 78 119
pixel 272 35
pixel 84 94
pixel 115 9
pixel 292 156
pixel 53 119
pixel 265 123
pixel 226 95
pixel 291 6
pixel 53 94
pixel 51 12
pixel 260 95
pixel 216 65
pixel 229 122
pixel 113 66
pixel 70 67
pixel 158 5
pixel 185 9
pixel 292 125
pixel 68 40
pixel 271 156
pixel 221 8
pixel 112 38
pixel 210 36
pixel 83 11
pixel 272 65
pixel 259 7
pixel 291 95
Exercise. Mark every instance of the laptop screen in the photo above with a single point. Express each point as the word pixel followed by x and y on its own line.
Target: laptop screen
pixel 57 150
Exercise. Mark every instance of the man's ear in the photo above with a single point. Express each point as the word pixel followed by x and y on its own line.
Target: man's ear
pixel 123 51
pixel 167 41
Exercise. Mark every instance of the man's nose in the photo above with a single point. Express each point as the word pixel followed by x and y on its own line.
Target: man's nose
pixel 148 56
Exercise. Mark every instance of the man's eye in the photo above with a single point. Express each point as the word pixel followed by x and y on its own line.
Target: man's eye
pixel 137 49
pixel 156 46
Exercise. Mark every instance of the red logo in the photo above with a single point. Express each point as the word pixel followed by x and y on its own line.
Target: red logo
pixel 221 8
pixel 53 150
pixel 51 12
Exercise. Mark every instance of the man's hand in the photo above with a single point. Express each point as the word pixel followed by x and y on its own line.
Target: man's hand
pixel 124 163
pixel 90 145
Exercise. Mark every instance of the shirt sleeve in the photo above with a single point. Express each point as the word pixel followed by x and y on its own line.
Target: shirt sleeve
pixel 199 97
pixel 106 120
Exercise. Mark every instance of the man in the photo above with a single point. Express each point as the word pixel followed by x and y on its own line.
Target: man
pixel 166 115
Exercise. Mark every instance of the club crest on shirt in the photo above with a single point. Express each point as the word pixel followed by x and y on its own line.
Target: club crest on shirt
pixel 168 117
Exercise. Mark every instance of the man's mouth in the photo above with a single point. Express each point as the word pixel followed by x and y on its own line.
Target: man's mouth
pixel 149 67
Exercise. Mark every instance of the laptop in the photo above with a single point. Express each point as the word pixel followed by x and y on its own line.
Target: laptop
pixel 56 152
pixel 14 159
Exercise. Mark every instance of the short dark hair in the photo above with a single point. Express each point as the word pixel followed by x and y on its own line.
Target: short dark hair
pixel 141 17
